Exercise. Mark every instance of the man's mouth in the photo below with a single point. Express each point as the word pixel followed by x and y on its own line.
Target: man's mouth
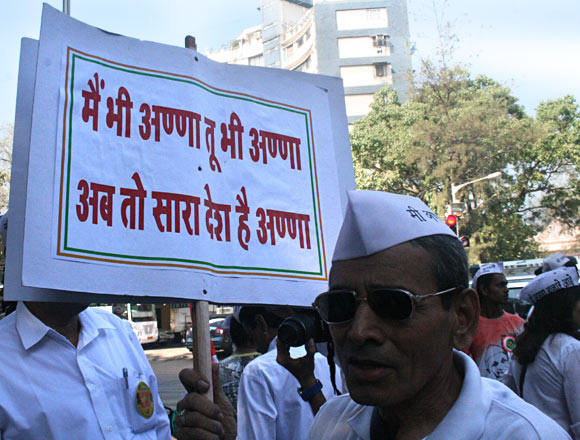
pixel 367 369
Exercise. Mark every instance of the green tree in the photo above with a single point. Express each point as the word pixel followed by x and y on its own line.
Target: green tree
pixel 454 129
pixel 6 135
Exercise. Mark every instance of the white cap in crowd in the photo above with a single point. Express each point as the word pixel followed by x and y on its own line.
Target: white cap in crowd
pixel 377 220
pixel 548 283
pixel 486 269
pixel 554 261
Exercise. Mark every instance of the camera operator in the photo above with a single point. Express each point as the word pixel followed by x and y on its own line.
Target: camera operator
pixel 279 400
pixel 306 329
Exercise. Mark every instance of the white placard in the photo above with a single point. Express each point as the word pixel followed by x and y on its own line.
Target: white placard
pixel 13 288
pixel 156 172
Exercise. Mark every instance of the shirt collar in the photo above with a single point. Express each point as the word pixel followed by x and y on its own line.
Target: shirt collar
pixel 361 422
pixel 31 329
pixel 91 322
pixel 474 398
pixel 272 345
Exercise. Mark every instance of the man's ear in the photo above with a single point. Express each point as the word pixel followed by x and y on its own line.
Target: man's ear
pixel 466 309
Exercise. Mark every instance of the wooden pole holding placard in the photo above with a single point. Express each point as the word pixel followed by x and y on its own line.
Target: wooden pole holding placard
pixel 201 342
pixel 200 314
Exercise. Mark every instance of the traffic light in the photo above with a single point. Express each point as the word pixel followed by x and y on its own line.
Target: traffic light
pixel 451 221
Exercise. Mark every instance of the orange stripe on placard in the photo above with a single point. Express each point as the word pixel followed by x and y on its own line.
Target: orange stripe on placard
pixel 185 266
pixel 60 201
pixel 317 192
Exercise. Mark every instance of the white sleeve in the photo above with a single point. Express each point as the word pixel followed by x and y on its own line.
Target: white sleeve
pixel 571 384
pixel 256 409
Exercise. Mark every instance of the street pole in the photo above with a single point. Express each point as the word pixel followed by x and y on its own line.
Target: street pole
pixel 66 7
pixel 456 188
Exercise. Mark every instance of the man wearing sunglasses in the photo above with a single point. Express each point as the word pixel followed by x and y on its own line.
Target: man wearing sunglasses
pixel 400 312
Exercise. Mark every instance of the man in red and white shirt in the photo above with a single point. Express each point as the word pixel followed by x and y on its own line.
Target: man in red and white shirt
pixel 494 341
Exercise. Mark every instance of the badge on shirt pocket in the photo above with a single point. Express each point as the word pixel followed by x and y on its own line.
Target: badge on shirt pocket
pixel 145 402
pixel 139 391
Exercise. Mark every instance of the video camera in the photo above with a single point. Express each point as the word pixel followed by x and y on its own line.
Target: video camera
pixel 296 330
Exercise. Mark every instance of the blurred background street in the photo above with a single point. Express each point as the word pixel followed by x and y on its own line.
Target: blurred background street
pixel 167 361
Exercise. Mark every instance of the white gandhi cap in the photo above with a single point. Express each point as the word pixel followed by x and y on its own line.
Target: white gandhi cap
pixel 377 220
pixel 548 283
pixel 554 261
pixel 486 269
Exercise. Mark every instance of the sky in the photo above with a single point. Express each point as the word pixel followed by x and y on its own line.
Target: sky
pixel 530 46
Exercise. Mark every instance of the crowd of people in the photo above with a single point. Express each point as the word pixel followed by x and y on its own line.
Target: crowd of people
pixel 414 352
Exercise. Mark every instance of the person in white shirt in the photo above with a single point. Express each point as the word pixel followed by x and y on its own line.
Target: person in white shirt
pixel 400 312
pixel 69 372
pixel 545 370
pixel 269 405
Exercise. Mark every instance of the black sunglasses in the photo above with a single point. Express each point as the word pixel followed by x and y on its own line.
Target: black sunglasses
pixel 339 306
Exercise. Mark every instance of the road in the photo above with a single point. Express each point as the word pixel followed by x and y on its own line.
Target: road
pixel 167 362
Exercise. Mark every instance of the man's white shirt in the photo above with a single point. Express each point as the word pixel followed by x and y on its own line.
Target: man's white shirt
pixel 53 390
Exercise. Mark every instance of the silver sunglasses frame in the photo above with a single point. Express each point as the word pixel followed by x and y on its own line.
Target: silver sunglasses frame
pixel 414 300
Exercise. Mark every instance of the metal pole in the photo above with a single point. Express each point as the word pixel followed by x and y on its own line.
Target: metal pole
pixel 66 7
pixel 456 188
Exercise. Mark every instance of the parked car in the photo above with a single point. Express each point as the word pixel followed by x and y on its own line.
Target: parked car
pixel 219 332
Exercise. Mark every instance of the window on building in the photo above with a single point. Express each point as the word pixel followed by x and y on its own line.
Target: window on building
pixel 257 60
pixel 373 14
pixel 269 25
pixel 358 105
pixel 382 69
pixel 360 47
pixel 381 40
pixel 305 66
pixel 361 18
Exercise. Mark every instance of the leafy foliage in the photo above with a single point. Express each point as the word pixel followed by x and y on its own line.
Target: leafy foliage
pixel 455 129
pixel 6 134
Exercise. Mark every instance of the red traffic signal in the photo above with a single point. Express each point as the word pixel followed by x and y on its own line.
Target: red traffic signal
pixel 451 221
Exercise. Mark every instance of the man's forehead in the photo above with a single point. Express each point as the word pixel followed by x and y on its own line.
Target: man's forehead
pixel 393 266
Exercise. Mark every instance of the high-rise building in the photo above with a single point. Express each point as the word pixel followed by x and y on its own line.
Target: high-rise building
pixel 366 42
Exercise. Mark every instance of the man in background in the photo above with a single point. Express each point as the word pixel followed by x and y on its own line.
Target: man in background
pixel 272 403
pixel 231 368
pixel 494 341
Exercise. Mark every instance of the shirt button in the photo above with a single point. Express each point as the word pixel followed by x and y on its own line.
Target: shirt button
pixel 109 428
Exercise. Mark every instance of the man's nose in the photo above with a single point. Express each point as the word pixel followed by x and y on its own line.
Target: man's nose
pixel 366 325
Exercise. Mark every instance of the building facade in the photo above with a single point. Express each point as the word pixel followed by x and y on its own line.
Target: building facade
pixel 365 42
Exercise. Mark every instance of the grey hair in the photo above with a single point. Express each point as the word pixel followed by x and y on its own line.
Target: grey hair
pixel 448 262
